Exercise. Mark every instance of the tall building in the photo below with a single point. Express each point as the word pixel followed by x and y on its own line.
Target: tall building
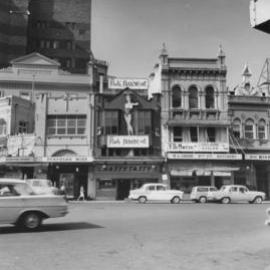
pixel 59 29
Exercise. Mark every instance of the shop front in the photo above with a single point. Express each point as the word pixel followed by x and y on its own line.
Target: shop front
pixel 188 170
pixel 115 180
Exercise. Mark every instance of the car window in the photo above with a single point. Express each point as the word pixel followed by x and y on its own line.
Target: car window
pixel 23 189
pixel 213 189
pixel 243 189
pixel 151 188
pixel 233 189
pixel 161 188
pixel 202 189
pixel 8 190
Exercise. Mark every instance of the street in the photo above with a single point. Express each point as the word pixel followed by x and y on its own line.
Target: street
pixel 128 235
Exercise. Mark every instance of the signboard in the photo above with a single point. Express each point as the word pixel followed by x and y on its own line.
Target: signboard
pixel 21 145
pixel 257 156
pixel 204 156
pixel 67 159
pixel 198 147
pixel 128 141
pixel 123 83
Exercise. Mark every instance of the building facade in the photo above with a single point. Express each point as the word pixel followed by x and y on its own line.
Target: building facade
pixel 127 139
pixel 194 120
pixel 249 116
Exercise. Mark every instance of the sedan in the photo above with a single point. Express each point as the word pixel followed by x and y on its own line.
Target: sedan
pixel 156 192
pixel 21 206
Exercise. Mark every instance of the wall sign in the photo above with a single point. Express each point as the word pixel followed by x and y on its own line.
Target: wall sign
pixel 257 157
pixel 128 141
pixel 122 83
pixel 204 156
pixel 198 147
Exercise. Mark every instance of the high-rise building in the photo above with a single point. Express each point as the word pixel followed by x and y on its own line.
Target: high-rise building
pixel 58 29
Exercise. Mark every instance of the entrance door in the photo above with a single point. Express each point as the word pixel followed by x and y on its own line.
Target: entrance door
pixel 123 187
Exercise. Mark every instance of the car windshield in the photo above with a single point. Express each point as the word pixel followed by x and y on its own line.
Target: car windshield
pixel 41 183
pixel 23 189
pixel 222 188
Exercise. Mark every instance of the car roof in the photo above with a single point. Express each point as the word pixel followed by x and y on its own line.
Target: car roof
pixel 11 180
pixel 204 186
pixel 38 179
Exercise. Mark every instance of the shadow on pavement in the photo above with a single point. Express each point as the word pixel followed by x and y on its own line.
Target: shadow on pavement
pixel 69 226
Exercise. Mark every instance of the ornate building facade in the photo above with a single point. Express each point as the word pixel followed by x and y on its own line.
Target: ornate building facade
pixel 194 120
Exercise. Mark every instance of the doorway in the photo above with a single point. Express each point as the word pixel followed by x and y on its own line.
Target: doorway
pixel 123 188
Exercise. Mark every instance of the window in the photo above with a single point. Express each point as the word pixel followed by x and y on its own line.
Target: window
pixel 262 130
pixel 249 129
pixel 177 134
pixel 236 128
pixel 55 44
pixel 193 97
pixel 142 122
pixel 22 127
pixel 66 125
pixel 111 122
pixel 209 97
pixel 211 134
pixel 176 97
pixel 151 188
pixel 194 134
pixel 233 189
pixel 161 188
pixel 3 127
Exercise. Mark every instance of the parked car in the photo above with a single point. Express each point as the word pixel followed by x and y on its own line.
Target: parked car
pixel 43 186
pixel 156 192
pixel 238 193
pixel 21 206
pixel 203 194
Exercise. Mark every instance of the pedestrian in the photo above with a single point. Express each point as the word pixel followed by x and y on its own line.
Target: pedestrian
pixel 63 189
pixel 81 196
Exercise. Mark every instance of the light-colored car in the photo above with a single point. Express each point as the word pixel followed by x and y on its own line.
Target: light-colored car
pixel 21 206
pixel 43 186
pixel 238 193
pixel 203 194
pixel 156 192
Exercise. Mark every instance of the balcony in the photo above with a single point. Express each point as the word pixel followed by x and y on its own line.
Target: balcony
pixel 198 117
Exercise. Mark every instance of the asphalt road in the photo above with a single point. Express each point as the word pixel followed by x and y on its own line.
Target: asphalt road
pixel 151 236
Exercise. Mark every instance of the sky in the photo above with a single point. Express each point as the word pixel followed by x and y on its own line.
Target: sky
pixel 129 34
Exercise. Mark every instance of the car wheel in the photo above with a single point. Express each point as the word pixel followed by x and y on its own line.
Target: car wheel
pixel 202 199
pixel 226 200
pixel 31 220
pixel 258 200
pixel 142 199
pixel 176 199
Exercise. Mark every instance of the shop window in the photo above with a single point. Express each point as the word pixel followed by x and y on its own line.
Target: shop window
pixel 177 134
pixel 194 134
pixel 193 97
pixel 262 130
pixel 236 128
pixel 209 97
pixel 249 129
pixel 111 122
pixel 211 134
pixel 176 97
pixel 3 127
pixel 66 125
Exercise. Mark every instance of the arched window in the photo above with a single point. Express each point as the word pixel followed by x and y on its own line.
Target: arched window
pixel 262 130
pixel 236 128
pixel 176 97
pixel 193 97
pixel 209 97
pixel 3 127
pixel 249 129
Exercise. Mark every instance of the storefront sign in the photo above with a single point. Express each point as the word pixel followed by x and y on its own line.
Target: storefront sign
pixel 122 83
pixel 20 159
pixel 205 156
pixel 127 141
pixel 198 147
pixel 257 157
pixel 67 159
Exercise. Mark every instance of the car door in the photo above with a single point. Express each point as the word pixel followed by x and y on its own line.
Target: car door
pixel 234 194
pixel 11 204
pixel 161 193
pixel 243 194
pixel 150 193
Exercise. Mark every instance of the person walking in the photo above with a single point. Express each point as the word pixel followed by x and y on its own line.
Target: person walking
pixel 81 196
